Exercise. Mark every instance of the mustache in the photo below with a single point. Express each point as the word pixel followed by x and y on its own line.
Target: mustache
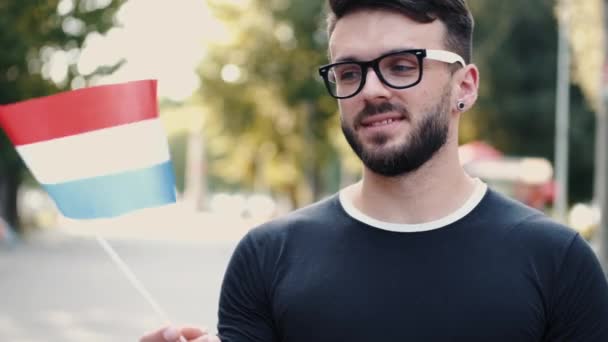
pixel 371 109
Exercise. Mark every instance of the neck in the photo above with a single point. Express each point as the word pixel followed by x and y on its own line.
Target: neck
pixel 436 189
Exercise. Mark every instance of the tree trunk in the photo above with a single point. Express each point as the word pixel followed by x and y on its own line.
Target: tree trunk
pixel 601 151
pixel 601 182
pixel 10 179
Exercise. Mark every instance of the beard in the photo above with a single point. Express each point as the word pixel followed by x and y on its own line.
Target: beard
pixel 426 138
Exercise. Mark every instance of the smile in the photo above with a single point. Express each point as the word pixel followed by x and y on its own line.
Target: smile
pixel 380 120
pixel 384 122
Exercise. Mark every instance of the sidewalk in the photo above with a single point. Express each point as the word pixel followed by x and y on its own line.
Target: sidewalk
pixel 174 223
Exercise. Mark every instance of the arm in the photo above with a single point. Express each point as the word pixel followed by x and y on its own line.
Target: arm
pixel 245 312
pixel 579 303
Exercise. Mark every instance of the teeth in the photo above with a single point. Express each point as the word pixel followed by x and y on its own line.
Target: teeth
pixel 383 122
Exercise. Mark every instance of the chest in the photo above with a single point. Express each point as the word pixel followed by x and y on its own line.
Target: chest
pixel 406 294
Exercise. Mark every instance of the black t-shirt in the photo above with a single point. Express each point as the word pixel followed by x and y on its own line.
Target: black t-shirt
pixel 503 272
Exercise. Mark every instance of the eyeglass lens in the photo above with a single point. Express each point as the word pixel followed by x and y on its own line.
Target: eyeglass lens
pixel 396 70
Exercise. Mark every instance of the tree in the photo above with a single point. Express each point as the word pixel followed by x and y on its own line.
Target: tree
pixel 262 92
pixel 32 34
pixel 516 51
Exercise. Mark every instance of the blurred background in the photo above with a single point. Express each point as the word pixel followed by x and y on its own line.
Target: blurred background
pixel 254 135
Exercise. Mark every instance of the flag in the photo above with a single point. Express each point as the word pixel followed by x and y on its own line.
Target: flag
pixel 99 152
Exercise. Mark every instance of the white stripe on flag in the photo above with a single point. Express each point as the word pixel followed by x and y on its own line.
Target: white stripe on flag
pixel 97 153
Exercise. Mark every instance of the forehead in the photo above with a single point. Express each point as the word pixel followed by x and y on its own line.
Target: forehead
pixel 366 34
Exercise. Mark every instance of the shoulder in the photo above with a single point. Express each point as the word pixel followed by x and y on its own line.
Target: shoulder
pixel 529 235
pixel 304 220
pixel 525 224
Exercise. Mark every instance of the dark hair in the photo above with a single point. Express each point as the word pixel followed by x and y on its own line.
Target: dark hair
pixel 453 13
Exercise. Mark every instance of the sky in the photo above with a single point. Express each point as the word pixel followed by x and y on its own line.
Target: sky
pixel 158 39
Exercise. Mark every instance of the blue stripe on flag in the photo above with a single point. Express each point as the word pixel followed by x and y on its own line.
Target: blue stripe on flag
pixel 113 195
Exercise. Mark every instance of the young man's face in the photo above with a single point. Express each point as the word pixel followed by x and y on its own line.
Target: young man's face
pixel 394 131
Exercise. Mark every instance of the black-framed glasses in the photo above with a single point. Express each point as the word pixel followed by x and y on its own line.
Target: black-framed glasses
pixel 399 70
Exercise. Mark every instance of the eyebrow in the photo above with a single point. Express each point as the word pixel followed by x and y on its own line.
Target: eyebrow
pixel 351 58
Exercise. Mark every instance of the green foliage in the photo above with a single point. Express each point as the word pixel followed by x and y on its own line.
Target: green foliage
pixel 29 27
pixel 274 124
pixel 516 51
pixel 274 110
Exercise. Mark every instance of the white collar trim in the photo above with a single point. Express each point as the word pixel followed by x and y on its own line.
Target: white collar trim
pixel 475 198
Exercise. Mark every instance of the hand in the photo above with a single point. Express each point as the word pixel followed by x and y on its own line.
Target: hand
pixel 172 334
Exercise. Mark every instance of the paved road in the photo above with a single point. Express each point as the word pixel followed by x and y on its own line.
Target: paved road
pixel 58 287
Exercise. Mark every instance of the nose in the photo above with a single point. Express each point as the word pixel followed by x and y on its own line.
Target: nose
pixel 374 87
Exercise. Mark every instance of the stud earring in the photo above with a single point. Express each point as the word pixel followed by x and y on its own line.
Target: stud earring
pixel 460 105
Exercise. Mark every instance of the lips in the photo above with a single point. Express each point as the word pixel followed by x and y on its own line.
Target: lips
pixel 380 120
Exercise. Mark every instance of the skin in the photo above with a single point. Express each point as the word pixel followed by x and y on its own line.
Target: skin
pixel 440 185
pixel 172 334
pixel 436 188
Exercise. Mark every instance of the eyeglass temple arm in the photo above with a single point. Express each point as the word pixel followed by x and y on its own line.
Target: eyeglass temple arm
pixel 445 56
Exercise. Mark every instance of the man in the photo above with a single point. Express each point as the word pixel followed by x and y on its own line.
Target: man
pixel 417 250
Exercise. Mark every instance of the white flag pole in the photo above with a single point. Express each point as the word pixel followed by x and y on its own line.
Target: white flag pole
pixel 124 268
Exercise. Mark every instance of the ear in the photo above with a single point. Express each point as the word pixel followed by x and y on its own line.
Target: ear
pixel 466 86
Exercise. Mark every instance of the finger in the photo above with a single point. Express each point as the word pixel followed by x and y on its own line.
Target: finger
pixel 193 332
pixel 207 338
pixel 165 334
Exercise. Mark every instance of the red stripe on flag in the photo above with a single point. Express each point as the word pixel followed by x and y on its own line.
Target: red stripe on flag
pixel 79 111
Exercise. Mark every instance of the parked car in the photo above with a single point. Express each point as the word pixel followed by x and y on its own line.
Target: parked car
pixel 527 179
